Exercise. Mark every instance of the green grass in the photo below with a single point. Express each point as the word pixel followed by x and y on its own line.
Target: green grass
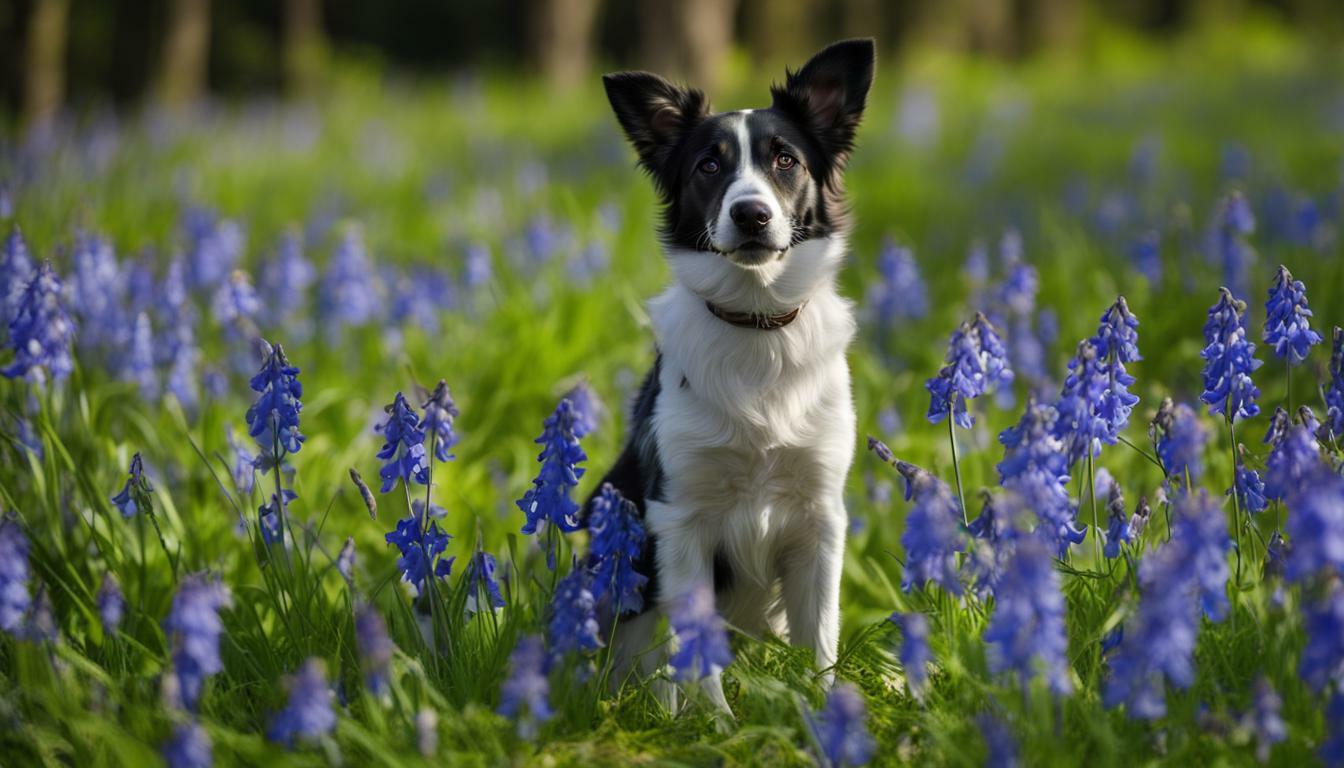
pixel 417 165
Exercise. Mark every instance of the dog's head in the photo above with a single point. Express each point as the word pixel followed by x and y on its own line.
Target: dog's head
pixel 748 187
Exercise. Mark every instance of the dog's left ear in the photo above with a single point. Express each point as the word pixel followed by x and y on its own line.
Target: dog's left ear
pixel 656 114
pixel 828 94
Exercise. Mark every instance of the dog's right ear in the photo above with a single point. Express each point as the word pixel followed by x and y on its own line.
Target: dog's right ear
pixel 655 113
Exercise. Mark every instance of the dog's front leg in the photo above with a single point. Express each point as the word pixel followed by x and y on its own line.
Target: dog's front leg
pixel 686 561
pixel 811 586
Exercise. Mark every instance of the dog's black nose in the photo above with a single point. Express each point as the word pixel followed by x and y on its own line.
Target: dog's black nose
pixel 750 215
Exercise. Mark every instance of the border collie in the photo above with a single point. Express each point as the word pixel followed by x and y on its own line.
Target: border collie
pixel 744 431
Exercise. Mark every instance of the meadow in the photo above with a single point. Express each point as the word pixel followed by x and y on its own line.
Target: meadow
pixel 480 232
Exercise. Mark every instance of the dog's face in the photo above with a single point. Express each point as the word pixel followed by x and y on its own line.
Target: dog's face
pixel 749 185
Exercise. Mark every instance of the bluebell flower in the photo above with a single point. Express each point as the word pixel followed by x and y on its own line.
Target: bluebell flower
pixel 477 269
pixel 976 266
pixel 1265 720
pixel 885 455
pixel 97 296
pixel 403 451
pixel 1179 438
pixel 134 496
pixel 899 292
pixel 235 302
pixel 616 541
pixel 1287 327
pixel 1316 526
pixel 1026 633
pixel 549 500
pixel 244 467
pixel 1179 580
pixel 1250 490
pixel 1120 530
pixel 193 628
pixel 1322 664
pixel 702 642
pixel 1016 295
pixel 285 280
pixel 1145 252
pixel 183 383
pixel 1000 744
pixel 1334 391
pixel 915 654
pixel 375 649
pixel 1035 469
pixel 189 747
pixel 588 409
pixel 16 271
pixel 271 519
pixel 1278 427
pixel 309 715
pixel 1293 465
pixel 440 412
pixel 139 365
pixel 932 536
pixel 524 695
pixel 14 576
pixel 111 604
pixel 976 363
pixel 1117 335
pixel 1332 749
pixel 1232 222
pixel 993 539
pixel 840 730
pixel 345 296
pixel 421 546
pixel 40 332
pixel 1230 357
pixel 572 625
pixel 273 420
pixel 1079 424
pixel 214 247
pixel 481 579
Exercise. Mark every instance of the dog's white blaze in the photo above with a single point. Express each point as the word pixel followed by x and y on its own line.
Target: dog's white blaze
pixel 749 184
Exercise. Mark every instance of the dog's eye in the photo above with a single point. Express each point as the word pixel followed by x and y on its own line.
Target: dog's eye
pixel 709 166
pixel 784 161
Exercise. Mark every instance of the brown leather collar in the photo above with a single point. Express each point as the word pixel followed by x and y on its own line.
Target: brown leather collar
pixel 753 320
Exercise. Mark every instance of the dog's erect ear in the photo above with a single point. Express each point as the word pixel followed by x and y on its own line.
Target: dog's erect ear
pixel 655 113
pixel 828 94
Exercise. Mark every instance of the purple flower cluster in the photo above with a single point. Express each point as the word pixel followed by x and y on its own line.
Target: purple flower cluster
pixel 14 575
pixel 525 694
pixel 616 537
pixel 403 451
pixel 840 729
pixel 194 628
pixel 40 331
pixel 1230 360
pixel 421 544
pixel 932 536
pixel 1287 319
pixel 572 625
pixel 1179 439
pixel 702 642
pixel 309 715
pixel 899 292
pixel 549 500
pixel 1334 392
pixel 1026 634
pixel 977 363
pixel 1035 470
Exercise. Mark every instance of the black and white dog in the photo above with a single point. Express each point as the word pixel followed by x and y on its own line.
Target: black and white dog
pixel 744 430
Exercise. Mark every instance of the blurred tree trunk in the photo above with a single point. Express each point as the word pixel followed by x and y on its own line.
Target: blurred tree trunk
pixel 564 33
pixel 1049 25
pixel 688 39
pixel 781 32
pixel 186 51
pixel 304 46
pixel 44 76
pixel 862 18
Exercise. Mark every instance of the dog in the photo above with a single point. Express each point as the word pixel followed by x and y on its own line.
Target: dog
pixel 743 432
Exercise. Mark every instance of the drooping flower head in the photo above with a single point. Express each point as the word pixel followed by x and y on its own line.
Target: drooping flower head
pixel 134 496
pixel 615 545
pixel 40 331
pixel 16 271
pixel 840 729
pixel 1230 357
pixel 702 642
pixel 1120 530
pixel 421 544
pixel 375 648
pixel 1026 633
pixel 111 604
pixel 915 653
pixel 273 419
pixel 1179 438
pixel 440 412
pixel 1035 470
pixel 525 694
pixel 14 575
pixel 932 536
pixel 193 628
pixel 1287 319
pixel 403 451
pixel 1249 489
pixel 481 581
pixel 549 500
pixel 309 715
pixel 977 363
pixel 572 625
